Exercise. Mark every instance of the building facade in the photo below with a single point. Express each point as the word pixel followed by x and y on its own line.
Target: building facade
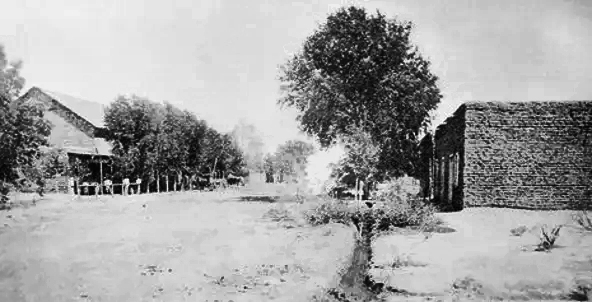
pixel 77 128
pixel 535 155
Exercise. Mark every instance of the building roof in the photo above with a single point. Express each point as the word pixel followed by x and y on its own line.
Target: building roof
pixel 77 142
pixel 93 112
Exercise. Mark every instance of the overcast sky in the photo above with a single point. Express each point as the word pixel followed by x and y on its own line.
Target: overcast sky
pixel 219 58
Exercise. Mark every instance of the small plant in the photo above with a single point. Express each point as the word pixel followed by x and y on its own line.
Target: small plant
pixel 401 261
pixel 580 292
pixel 583 220
pixel 547 239
pixel 519 231
pixel 468 287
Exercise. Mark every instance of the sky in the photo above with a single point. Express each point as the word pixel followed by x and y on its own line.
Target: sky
pixel 219 58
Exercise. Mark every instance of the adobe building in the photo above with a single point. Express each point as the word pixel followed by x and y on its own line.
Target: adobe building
pixel 534 155
pixel 77 127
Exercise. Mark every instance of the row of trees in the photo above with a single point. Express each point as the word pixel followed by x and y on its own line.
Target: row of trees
pixel 359 80
pixel 151 139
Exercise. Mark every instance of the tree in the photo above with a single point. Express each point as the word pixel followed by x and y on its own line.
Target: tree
pixel 362 70
pixel 250 142
pixel 11 82
pixel 133 124
pixel 361 157
pixel 23 130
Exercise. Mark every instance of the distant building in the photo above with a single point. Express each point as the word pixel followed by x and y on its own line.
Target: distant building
pixel 77 126
pixel 535 155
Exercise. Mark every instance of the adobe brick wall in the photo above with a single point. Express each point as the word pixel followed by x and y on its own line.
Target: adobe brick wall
pixel 449 141
pixel 535 155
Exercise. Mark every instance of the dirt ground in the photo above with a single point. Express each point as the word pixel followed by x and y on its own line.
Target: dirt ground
pixel 166 247
pixel 485 260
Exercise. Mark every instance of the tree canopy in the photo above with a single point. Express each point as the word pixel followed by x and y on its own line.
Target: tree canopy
pixel 290 159
pixel 362 70
pixel 151 138
pixel 23 129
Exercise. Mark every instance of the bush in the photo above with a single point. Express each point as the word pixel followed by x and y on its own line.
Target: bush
pixel 397 190
pixel 375 220
pixel 547 239
pixel 332 211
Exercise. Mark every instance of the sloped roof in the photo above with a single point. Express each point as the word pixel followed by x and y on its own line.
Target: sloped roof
pixel 90 111
pixel 76 141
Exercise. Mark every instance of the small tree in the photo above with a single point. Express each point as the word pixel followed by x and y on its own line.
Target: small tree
pixel 361 155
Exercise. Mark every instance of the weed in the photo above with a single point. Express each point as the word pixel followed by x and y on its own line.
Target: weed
pixel 401 261
pixel 583 220
pixel 468 287
pixel 519 231
pixel 580 293
pixel 547 239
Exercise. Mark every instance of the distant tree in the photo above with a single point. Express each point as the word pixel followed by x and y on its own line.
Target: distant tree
pixel 361 158
pixel 11 82
pixel 362 70
pixel 250 142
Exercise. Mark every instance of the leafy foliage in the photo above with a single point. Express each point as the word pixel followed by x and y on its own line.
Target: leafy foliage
pixel 150 138
pixel 290 159
pixel 11 82
pixel 397 190
pixel 363 70
pixel 378 219
pixel 23 130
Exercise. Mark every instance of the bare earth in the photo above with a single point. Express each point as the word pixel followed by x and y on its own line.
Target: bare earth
pixel 179 247
pixel 502 266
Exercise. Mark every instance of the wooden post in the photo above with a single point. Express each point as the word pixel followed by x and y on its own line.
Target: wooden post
pixel 101 184
pixel 167 182
pixel 175 185
pixel 157 182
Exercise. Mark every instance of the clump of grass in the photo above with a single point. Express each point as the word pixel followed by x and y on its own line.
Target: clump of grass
pixel 547 239
pixel 468 287
pixel 519 231
pixel 583 220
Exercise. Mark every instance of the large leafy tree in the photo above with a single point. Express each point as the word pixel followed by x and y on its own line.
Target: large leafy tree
pixel 133 129
pixel 362 70
pixel 23 129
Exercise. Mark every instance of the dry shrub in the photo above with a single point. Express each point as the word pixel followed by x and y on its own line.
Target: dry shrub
pixel 547 239
pixel 583 220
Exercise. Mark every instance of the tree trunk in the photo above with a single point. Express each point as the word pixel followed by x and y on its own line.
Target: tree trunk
pixel 167 183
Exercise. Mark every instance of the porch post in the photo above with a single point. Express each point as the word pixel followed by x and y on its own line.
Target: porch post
pixel 101 184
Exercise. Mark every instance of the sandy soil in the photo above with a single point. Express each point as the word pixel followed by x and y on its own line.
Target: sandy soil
pixel 482 248
pixel 167 247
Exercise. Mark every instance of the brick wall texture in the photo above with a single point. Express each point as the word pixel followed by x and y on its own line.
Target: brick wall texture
pixel 535 155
